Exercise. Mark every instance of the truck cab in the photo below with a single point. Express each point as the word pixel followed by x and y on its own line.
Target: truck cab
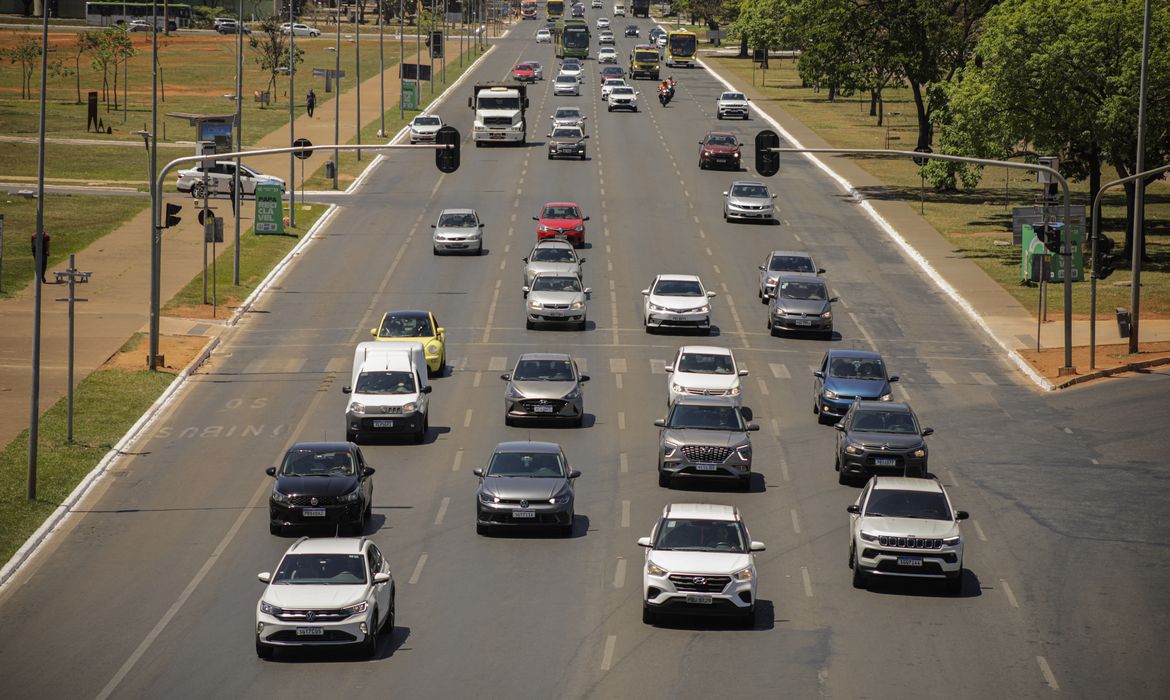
pixel 644 62
pixel 499 112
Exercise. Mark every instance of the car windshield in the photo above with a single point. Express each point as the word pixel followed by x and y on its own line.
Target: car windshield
pixel 894 503
pixel 615 82
pixel 543 370
pixel 749 191
pixel 697 417
pixel 566 79
pixel 623 90
pixel 537 465
pixel 523 67
pixel 568 113
pixel 701 536
pixel 646 56
pixel 857 368
pixel 324 462
pixel 499 103
pixel 426 121
pixel 721 140
pixel 549 283
pixel 566 134
pixel 385 383
pixel 406 327
pixel 791 263
pixel 731 96
pixel 804 291
pixel 561 213
pixel 678 288
pixel 321 570
pixel 899 422
pixel 458 220
pixel 559 255
pixel 703 363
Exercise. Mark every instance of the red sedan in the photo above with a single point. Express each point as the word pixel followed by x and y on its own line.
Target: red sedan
pixel 719 148
pixel 561 219
pixel 524 73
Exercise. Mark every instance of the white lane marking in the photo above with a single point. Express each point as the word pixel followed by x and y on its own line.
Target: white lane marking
pixel 940 376
pixel 487 330
pixel 503 264
pixel 442 510
pixel 619 574
pixel 726 290
pixel 422 561
pixel 784 470
pixel 1046 671
pixel 1093 460
pixel 582 364
pixel 458 460
pixel 983 379
pixel 953 480
pixel 738 323
pixel 625 513
pixel 467 418
pixel 510 229
pixel 607 655
pixel 1068 430
pixel 795 522
pixel 708 251
pixel 617 378
pixel 695 218
pixel 763 385
pixel 499 283
pixel 715 267
pixel 702 233
pixel 497 364
pixel 513 219
pixel 794 235
pixel 617 365
pixel 776 427
pixel 609 249
pixel 625 463
pixel 609 266
pixel 621 420
pixel 779 371
pixel 807 582
pixel 979 531
pixel 1007 590
pixel 478 374
pixel 613 311
pixel 507 247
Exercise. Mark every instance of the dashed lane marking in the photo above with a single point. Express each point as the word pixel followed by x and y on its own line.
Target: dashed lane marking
pixel 978 531
pixel 467 418
pixel 808 592
pixel 458 461
pixel 442 510
pixel 763 387
pixel 621 420
pixel 607 654
pixel 414 576
pixel 497 364
pixel 624 463
pixel 476 380
pixel 795 521
pixel 1007 591
pixel 619 573
pixel 1046 671
pixel 625 513
pixel 779 371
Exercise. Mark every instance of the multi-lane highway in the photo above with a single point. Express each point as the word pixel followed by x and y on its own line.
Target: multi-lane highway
pixel 150 592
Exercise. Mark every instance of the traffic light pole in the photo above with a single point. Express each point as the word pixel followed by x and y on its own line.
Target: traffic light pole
pixel 1096 229
pixel 156 223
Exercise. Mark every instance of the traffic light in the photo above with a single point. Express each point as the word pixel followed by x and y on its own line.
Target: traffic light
pixel 1104 264
pixel 767 160
pixel 447 159
pixel 172 216
pixel 435 42
pixel 1049 235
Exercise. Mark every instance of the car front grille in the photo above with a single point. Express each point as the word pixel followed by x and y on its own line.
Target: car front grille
pixel 302 501
pixel 554 306
pixel 312 616
pixel 497 121
pixel 705 392
pixel 699 583
pixel 706 453
pixel 325 636
pixel 910 542
pixel 385 410
pixel 530 405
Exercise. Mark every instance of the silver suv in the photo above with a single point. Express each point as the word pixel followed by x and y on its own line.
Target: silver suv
pixel 705 437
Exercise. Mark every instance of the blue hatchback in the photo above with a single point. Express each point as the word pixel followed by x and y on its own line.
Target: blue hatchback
pixel 845 375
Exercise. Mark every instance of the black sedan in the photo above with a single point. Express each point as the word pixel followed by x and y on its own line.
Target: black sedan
pixel 632 30
pixel 879 437
pixel 321 483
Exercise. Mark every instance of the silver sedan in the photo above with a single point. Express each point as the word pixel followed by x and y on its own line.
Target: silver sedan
pixel 544 386
pixel 556 298
pixel 458 231
pixel 748 199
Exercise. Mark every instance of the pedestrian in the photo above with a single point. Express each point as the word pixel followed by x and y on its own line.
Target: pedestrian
pixel 311 101
pixel 44 257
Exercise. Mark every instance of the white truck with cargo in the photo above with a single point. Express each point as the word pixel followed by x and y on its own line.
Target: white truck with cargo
pixel 500 111
pixel 388 392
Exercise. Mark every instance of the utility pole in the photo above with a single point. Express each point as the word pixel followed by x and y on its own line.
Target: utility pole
pixel 39 262
pixel 1139 200
pixel 357 62
pixel 337 96
pixel 155 203
pixel 382 65
pixel 401 56
pixel 292 117
pixel 74 277
pixel 236 194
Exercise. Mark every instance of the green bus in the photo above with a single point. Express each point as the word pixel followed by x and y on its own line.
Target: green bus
pixel 572 40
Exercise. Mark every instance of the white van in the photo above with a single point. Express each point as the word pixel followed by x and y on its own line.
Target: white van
pixel 619 10
pixel 388 390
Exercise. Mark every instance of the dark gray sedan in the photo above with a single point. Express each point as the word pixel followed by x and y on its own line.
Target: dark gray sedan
pixel 525 483
pixel 801 302
pixel 880 437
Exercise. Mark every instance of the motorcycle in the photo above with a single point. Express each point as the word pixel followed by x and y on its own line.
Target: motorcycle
pixel 665 95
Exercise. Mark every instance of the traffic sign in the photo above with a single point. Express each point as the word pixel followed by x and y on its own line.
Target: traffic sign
pixel 919 160
pixel 302 143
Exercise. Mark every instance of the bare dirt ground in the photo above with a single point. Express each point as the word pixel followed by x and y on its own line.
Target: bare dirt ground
pixel 177 350
pixel 1049 361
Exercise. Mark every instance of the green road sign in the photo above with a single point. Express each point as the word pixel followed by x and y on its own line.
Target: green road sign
pixel 269 210
pixel 410 94
pixel 1031 245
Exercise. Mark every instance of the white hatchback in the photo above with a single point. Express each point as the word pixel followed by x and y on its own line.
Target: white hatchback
pixel 703 370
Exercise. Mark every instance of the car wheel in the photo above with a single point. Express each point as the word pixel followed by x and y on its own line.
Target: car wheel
pixel 369 647
pixel 582 325
pixel 609 108
pixel 663 479
pixel 859 579
pixel 442 366
pixel 566 530
pixel 479 250
pixel 701 166
pixel 725 217
pixel 436 250
pixel 275 529
pixel 842 477
pixel 508 421
pixel 388 623
pixel 420 435
pixel 955 585
pixel 481 529
pixel 649 617
pixel 351 436
pixel 745 483
pixel 579 421
pixel 550 157
pixel 529 325
pixel 197 190
pixel 719 116
pixel 264 651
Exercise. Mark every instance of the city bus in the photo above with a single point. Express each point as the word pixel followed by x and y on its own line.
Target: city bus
pixel 105 14
pixel 555 9
pixel 572 39
pixel 680 48
pixel 528 9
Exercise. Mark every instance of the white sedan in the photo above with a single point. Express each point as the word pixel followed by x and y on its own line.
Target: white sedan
pixel 543 36
pixel 566 85
pixel 300 30
pixel 703 370
pixel 603 22
pixel 424 127
pixel 220 179
pixel 571 68
pixel 607 54
pixel 622 97
pixel 609 85
pixel 677 301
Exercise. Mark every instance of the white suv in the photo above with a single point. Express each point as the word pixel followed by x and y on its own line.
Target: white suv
pixel 704 370
pixel 699 561
pixel 328 591
pixel 903 526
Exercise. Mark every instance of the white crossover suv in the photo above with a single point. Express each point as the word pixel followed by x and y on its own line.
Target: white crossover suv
pixel 328 591
pixel 702 370
pixel 699 561
pixel 904 526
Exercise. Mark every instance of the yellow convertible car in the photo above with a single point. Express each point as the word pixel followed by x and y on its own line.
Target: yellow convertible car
pixel 419 327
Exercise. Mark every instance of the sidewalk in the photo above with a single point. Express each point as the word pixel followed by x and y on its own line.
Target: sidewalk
pixel 120 262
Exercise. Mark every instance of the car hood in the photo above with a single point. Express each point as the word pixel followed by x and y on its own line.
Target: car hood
pixel 733 103
pixel 316 485
pixel 383 399
pixel 705 381
pixel 567 121
pixel 563 224
pixel 456 231
pixel 895 441
pixel 716 563
pixel 522 487
pixel 313 597
pixel 424 128
pixel 498 112
pixel 679 303
pixel 556 297
pixel 543 389
pixel 720 149
pixel 749 201
pixel 907 527
pixel 715 438
pixel 558 140
pixel 861 388
pixel 811 307
pixel 629 96
pixel 541 267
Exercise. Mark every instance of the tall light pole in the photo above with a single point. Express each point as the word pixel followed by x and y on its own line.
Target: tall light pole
pixel 292 116
pixel 155 197
pixel 431 32
pixel 357 62
pixel 401 58
pixel 1139 200
pixel 39 262
pixel 337 95
pixel 236 194
pixel 382 65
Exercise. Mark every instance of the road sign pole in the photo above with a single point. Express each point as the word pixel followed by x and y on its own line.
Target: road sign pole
pixel 337 95
pixel 292 101
pixel 237 196
pixel 74 277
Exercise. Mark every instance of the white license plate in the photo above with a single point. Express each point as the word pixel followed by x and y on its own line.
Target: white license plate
pixel 804 323
pixel 383 424
pixel 706 467
pixel 699 599
pixel 313 512
pixel 498 137
pixel 909 561
pixel 542 409
pixel 523 514
pixel 310 631
pixel 885 461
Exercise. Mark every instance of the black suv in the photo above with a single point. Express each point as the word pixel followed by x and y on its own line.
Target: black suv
pixel 321 483
pixel 879 437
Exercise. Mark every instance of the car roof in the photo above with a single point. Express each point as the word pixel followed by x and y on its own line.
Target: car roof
pixel 407 313
pixel 801 277
pixel 905 483
pixel 572 108
pixel 860 354
pixel 705 349
pixel 680 278
pixel 328 545
pixel 527 446
pixel 338 445
pixel 700 400
pixel 790 253
pixel 701 511
pixel 749 182
pixel 722 133
pixel 544 356
pixel 561 204
pixel 457 211
pixel 553 243
pixel 893 407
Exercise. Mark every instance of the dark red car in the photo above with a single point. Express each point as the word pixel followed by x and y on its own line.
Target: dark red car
pixel 719 149
pixel 561 219
pixel 524 73
pixel 611 72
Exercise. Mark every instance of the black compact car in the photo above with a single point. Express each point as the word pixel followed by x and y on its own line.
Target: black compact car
pixel 880 437
pixel 632 30
pixel 321 483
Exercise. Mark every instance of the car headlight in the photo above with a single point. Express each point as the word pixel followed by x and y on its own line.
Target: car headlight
pixel 280 497
pixel 677 388
pixel 357 408
pixel 829 394
pixel 512 393
pixel 744 574
pixel 535 305
pixel 270 609
pixel 827 314
pixel 351 497
pixel 733 391
pixel 409 407
pixel 656 307
pixel 355 609
pixel 886 397
pixel 560 499
pixel 737 155
pixel 702 309
pixel 574 393
pixel 867 536
pixel 952 541
pixel 488 498
pixel 852 449
pixel 577 305
pixel 744 452
pixel 579 227
pixel 655 570
pixel 920 452
pixel 433 348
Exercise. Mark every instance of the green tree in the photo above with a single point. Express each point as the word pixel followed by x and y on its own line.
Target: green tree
pixel 271 51
pixel 26 51
pixel 764 24
pixel 82 44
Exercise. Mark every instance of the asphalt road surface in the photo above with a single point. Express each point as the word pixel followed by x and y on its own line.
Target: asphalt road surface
pixel 151 592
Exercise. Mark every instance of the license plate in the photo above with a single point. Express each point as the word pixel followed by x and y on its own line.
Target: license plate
pixel 383 424
pixel 310 631
pixel 909 561
pixel 313 512
pixel 804 323
pixel 523 514
pixel 885 461
pixel 706 467
pixel 699 599
pixel 499 137
pixel 542 409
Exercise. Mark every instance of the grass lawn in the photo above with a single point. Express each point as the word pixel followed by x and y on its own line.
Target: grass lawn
pixel 106 404
pixel 72 221
pixel 976 222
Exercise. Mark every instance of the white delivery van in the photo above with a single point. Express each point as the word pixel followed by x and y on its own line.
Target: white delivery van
pixel 388 392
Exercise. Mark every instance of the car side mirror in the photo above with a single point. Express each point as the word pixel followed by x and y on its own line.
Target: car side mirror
pixel 660 423
pixel 581 261
pixel 834 300
pixel 265 577
pixel 432 226
pixel 725 193
pixel 506 376
pixel 894 378
pixel 711 295
pixel 585 219
pixel 573 474
pixel 588 293
pixel 839 426
pixel 584 378
pixel 367 471
pixel 854 508
pixel 586 135
pixel 548 136
pixel 645 292
pixel 271 471
pixel 820 270
pixel 346 389
pixel 668 369
pixel 752 427
pixel 481 224
pixel 927 431
pixel 536 218
pixel 757 546
pixel 427 389
pixel 746 412
pixel 759 267
pixel 525 289
pixel 374 332
pixel 524 259
pixel 773 196
pixel 642 542
pixel 478 472
pixel 381 577
pixel 962 515
pixel 818 373
pixel 743 373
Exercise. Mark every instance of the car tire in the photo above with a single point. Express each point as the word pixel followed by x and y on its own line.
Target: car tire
pixel 579 421
pixel 264 651
pixel 529 325
pixel 351 436
pixel 719 116
pixel 663 479
pixel 842 477
pixel 748 619
pixel 421 435
pixel 508 421
pixel 649 617
pixel 550 156
pixel 275 529
pixel 954 586
pixel 481 529
pixel 369 647
pixel 566 530
pixel 582 325
pixel 745 483
pixel 479 250
pixel 388 623
pixel 197 190
pixel 860 580
pixel 609 108
pixel 701 166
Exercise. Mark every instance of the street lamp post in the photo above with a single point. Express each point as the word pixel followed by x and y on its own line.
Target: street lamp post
pixel 155 204
pixel 337 95
pixel 401 57
pixel 382 66
pixel 236 194
pixel 292 101
pixel 357 62
pixel 39 262
pixel 1139 201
